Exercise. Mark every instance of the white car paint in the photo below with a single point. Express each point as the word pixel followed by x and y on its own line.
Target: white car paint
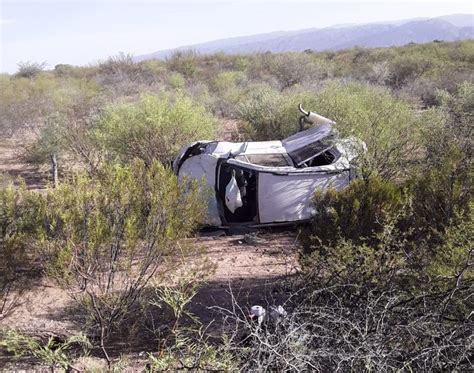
pixel 283 194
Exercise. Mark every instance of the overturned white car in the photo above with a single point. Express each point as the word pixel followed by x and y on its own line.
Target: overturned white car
pixel 270 182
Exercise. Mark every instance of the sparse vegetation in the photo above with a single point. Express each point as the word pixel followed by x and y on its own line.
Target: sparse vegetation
pixel 386 273
pixel 52 352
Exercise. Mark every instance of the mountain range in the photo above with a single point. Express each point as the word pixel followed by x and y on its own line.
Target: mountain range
pixel 385 34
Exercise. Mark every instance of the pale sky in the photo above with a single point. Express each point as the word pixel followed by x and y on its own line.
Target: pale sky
pixel 84 31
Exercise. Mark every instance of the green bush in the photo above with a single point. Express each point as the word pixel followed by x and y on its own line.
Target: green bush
pixel 389 126
pixel 358 234
pixel 293 68
pixel 51 352
pixel 442 184
pixel 24 102
pixel 376 233
pixel 105 239
pixel 357 213
pixel 459 109
pixel 18 222
pixel 269 114
pixel 453 256
pixel 155 127
pixel 183 62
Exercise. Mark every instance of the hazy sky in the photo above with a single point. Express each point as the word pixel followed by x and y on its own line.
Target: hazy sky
pixel 80 32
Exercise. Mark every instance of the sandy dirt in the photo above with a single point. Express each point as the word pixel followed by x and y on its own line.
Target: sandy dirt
pixel 250 266
pixel 241 262
pixel 12 167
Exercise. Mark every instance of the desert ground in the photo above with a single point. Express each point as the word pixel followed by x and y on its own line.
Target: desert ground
pixel 249 267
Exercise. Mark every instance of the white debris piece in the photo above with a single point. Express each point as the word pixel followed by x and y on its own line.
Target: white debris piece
pixel 258 313
pixel 233 199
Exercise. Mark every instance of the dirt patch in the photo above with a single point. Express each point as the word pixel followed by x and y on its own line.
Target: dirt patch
pixel 251 267
pixel 12 167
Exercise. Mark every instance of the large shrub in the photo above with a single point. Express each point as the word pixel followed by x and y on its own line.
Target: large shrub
pixel 293 68
pixel 64 132
pixel 356 213
pixel 105 239
pixel 183 62
pixel 154 127
pixel 269 114
pixel 25 102
pixel 386 282
pixel 389 126
pixel 458 131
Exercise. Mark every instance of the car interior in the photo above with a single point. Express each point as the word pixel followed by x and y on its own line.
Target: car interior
pixel 247 183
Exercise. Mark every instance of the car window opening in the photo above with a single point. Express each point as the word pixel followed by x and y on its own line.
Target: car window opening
pixel 266 160
pixel 323 159
pixel 247 185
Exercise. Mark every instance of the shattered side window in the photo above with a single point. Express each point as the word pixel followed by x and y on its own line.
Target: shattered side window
pixel 307 144
pixel 310 151
pixel 267 160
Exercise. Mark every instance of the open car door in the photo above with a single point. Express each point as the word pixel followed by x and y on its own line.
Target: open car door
pixel 237 192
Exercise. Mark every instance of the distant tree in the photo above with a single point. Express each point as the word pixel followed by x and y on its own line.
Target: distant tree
pixel 30 69
pixel 292 68
pixel 119 62
pixel 183 62
pixel 63 69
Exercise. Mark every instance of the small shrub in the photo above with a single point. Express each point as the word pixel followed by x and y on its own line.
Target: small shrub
pixel 269 114
pixel 51 353
pixel 183 62
pixel 293 68
pixel 186 346
pixel 176 81
pixel 452 258
pixel 17 254
pixel 357 212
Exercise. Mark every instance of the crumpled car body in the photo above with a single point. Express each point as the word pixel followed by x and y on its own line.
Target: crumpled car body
pixel 269 182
